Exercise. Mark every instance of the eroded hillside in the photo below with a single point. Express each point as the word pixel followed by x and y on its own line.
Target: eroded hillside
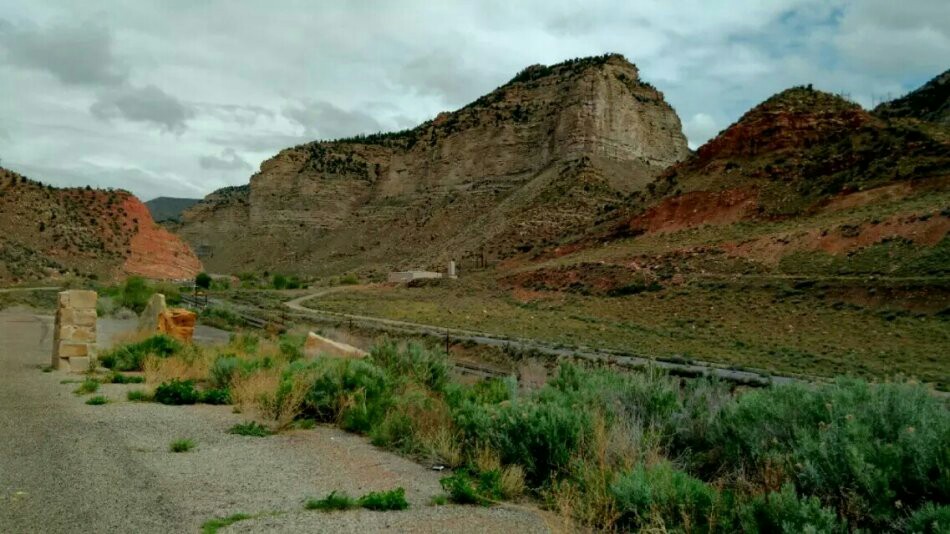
pixel 46 232
pixel 547 154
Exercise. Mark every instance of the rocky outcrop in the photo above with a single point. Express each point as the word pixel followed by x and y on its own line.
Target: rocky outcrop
pixel 46 232
pixel 546 154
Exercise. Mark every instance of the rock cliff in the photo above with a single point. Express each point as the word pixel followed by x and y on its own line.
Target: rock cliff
pixel 546 154
pixel 46 232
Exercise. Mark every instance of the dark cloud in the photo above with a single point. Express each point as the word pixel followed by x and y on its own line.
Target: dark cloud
pixel 227 161
pixel 75 54
pixel 327 121
pixel 147 104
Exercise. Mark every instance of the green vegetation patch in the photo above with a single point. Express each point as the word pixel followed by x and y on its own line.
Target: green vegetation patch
pixel 177 392
pixel 182 445
pixel 130 357
pixel 379 501
pixel 87 386
pixel 98 400
pixel 250 428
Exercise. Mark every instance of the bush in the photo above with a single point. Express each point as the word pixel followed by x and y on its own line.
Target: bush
pixel 177 392
pixel 250 428
pixel 414 362
pixel 332 502
pixel 223 370
pixel 135 293
pixel 661 490
pixel 138 395
pixel 384 500
pixel 882 444
pixel 182 445
pixel 353 393
pixel 98 400
pixel 216 396
pixel 785 512
pixel 130 357
pixel 930 519
pixel 291 347
pixel 203 280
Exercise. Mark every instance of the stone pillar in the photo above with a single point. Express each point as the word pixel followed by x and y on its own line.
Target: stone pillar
pixel 74 332
pixel 451 269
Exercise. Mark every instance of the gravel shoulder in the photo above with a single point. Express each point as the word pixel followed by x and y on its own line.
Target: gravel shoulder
pixel 66 466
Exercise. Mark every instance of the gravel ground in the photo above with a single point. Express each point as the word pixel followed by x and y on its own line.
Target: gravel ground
pixel 67 467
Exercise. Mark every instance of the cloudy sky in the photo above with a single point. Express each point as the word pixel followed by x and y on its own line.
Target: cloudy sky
pixel 181 97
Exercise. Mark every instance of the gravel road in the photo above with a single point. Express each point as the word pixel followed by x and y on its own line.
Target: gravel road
pixel 69 467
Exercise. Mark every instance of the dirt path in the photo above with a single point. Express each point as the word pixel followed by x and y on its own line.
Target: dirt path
pixel 67 467
pixel 484 338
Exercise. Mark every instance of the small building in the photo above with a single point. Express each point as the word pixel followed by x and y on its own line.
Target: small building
pixel 402 277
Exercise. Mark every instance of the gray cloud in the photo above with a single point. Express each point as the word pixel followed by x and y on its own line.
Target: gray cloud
pixel 442 75
pixel 328 121
pixel 147 104
pixel 227 161
pixel 75 55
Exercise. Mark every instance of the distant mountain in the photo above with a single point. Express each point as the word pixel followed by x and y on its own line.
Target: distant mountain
pixel 548 153
pixel 169 208
pixel 47 232
pixel 931 102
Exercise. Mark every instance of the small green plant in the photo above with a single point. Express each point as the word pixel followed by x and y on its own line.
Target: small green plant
pixel 87 386
pixel 130 357
pixel 385 500
pixel 439 500
pixel 138 395
pixel 98 400
pixel 212 526
pixel 177 392
pixel 250 428
pixel 463 488
pixel 332 502
pixel 47 368
pixel 182 445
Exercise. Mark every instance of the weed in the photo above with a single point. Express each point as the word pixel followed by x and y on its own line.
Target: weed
pixel 87 386
pixel 119 378
pixel 182 445
pixel 177 392
pixel 132 356
pixel 332 502
pixel 464 488
pixel 384 500
pixel 216 396
pixel 47 368
pixel 213 525
pixel 98 400
pixel 250 428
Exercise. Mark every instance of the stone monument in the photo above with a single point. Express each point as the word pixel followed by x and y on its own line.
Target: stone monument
pixel 74 331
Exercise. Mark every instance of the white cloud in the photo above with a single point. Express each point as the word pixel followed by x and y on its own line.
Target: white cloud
pixel 700 128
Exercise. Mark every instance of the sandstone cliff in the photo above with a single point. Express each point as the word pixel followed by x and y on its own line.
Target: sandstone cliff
pixel 542 156
pixel 47 232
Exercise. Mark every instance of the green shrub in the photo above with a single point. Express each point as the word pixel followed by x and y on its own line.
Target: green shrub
pixel 785 512
pixel 414 362
pixel 87 386
pixel 280 281
pixel 216 396
pixel 135 293
pixel 349 279
pixel 882 444
pixel 182 445
pixel 98 400
pixel 130 357
pixel 223 370
pixel 203 280
pixel 332 502
pixel 354 393
pixel 384 500
pixel 465 488
pixel 929 519
pixel 138 395
pixel 212 526
pixel 291 347
pixel 662 490
pixel 250 428
pixel 177 392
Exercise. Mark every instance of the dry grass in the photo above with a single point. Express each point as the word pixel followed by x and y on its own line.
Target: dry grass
pixel 486 459
pixel 445 445
pixel 193 364
pixel 249 392
pixel 512 482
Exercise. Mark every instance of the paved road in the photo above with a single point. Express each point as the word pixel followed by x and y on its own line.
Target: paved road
pixel 68 467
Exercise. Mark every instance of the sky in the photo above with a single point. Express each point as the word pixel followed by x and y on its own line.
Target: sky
pixel 182 97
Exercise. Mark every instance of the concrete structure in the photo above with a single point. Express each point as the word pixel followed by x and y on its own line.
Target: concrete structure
pixel 74 331
pixel 451 270
pixel 317 345
pixel 401 277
